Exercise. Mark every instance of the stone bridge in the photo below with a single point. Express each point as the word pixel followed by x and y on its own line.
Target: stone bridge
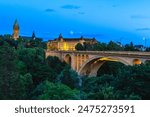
pixel 88 62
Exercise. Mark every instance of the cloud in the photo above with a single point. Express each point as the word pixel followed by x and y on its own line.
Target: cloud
pixel 81 13
pixel 143 29
pixel 70 7
pixel 114 5
pixel 140 17
pixel 71 32
pixel 49 10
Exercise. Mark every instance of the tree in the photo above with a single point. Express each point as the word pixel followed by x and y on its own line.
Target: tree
pixel 35 42
pixel 55 63
pixel 130 47
pixel 32 60
pixel 79 46
pixel 1 40
pixel 51 91
pixel 134 80
pixel 69 78
pixel 87 46
pixel 110 67
pixel 12 84
pixel 99 88
pixel 100 47
pixel 147 49
pixel 129 82
pixel 113 46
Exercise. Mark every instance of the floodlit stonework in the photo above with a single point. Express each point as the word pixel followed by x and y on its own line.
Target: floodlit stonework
pixel 15 30
pixel 87 63
pixel 61 43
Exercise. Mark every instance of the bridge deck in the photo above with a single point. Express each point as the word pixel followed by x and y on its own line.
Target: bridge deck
pixel 130 54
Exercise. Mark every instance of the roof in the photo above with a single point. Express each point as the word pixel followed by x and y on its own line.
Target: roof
pixel 76 39
pixel 16 24
pixel 73 39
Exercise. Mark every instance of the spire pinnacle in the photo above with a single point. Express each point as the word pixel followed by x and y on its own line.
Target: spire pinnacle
pixel 16 24
pixel 16 30
pixel 60 35
pixel 33 35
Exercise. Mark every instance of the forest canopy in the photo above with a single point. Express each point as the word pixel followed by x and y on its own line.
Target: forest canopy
pixel 25 73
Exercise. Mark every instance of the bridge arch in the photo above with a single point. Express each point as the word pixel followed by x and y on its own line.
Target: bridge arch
pixel 68 59
pixel 91 66
pixel 137 61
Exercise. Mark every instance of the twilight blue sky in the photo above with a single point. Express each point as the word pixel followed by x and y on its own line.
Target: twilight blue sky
pixel 118 20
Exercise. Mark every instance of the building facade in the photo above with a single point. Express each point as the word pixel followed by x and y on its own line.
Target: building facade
pixel 61 43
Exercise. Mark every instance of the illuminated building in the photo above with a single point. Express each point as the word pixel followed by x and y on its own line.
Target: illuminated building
pixel 15 30
pixel 61 43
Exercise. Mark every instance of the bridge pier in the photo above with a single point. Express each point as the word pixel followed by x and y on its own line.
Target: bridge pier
pixel 95 67
pixel 91 69
pixel 74 62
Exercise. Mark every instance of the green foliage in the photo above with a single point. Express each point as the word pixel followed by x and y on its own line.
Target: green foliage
pixel 133 97
pixel 114 46
pixel 36 43
pixel 111 46
pixel 32 60
pixel 55 63
pixel 69 78
pixel 130 47
pixel 12 85
pixel 1 40
pixel 147 62
pixel 99 88
pixel 129 82
pixel 51 91
pixel 148 49
pixel 25 73
pixel 110 67
pixel 80 47
pixel 100 47
pixel 135 80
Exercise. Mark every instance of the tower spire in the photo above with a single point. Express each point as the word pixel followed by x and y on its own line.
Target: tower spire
pixel 60 35
pixel 16 30
pixel 33 35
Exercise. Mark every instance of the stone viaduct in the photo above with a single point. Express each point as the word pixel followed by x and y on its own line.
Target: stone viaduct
pixel 88 62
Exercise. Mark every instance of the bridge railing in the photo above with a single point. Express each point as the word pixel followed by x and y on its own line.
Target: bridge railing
pixel 130 54
pixel 106 52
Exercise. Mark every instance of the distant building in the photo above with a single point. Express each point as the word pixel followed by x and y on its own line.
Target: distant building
pixel 33 35
pixel 15 30
pixel 61 43
pixel 140 47
pixel 119 44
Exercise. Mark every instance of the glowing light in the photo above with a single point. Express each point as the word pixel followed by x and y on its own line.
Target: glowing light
pixel 106 59
pixel 65 46
pixel 137 62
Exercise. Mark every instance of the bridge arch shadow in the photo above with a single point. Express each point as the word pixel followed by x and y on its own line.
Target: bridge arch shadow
pixel 91 66
pixel 67 59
